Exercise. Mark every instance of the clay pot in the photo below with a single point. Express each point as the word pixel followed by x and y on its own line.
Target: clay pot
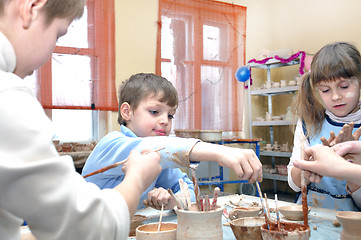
pixel 240 212
pixel 187 133
pixel 350 222
pixel 289 231
pixel 167 231
pixel 211 135
pixel 199 225
pixel 247 228
pixel 293 212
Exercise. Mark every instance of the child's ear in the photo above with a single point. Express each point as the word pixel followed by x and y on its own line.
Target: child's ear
pixel 29 10
pixel 125 111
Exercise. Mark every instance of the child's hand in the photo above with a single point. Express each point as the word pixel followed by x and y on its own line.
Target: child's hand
pixel 144 168
pixel 244 162
pixel 343 136
pixel 159 196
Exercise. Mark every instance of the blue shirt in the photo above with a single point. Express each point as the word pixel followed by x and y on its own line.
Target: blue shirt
pixel 116 146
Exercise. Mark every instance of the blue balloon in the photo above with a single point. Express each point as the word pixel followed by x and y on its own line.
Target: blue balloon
pixel 243 73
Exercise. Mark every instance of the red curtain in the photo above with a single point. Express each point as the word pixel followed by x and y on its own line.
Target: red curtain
pixel 81 72
pixel 201 44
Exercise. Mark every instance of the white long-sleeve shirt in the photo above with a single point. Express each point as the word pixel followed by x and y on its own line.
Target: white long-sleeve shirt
pixel 39 186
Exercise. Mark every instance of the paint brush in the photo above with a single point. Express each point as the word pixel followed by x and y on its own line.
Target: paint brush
pixel 278 213
pixel 263 205
pixel 114 165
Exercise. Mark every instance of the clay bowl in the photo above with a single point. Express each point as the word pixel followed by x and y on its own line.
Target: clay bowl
pixel 136 222
pixel 247 228
pixel 350 222
pixel 241 212
pixel 293 212
pixel 187 133
pixel 150 231
pixel 289 231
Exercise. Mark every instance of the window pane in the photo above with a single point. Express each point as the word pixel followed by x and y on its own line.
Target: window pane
pixel 77 35
pixel 167 39
pixel 72 125
pixel 72 81
pixel 215 41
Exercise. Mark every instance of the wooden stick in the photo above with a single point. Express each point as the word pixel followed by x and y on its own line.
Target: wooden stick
pixel 114 165
pixel 177 203
pixel 217 190
pixel 196 188
pixel 303 185
pixel 160 218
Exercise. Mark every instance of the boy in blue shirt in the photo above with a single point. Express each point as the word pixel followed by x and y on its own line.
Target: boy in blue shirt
pixel 147 104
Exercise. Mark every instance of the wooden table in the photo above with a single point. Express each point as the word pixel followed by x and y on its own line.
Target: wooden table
pixel 319 217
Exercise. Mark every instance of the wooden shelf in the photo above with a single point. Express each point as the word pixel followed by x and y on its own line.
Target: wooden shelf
pixel 275 91
pixel 273 123
pixel 275 177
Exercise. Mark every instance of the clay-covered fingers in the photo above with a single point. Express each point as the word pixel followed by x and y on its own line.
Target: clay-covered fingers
pixel 357 134
pixel 325 141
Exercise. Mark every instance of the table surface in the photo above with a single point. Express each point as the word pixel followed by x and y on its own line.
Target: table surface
pixel 318 217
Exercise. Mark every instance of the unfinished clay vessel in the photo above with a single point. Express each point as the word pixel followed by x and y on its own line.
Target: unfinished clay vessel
pixel 247 228
pixel 150 231
pixel 240 212
pixel 197 225
pixel 350 222
pixel 288 231
pixel 293 212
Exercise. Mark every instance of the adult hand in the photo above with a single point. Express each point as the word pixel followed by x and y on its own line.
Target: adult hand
pixel 323 161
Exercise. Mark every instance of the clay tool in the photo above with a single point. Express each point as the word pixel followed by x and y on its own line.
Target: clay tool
pixel 160 217
pixel 263 205
pixel 206 203
pixel 303 185
pixel 193 168
pixel 277 213
pixel 177 203
pixel 117 164
pixel 186 194
pixel 217 190
pixel 201 203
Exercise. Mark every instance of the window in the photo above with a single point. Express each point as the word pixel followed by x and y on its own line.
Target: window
pixel 78 82
pixel 201 44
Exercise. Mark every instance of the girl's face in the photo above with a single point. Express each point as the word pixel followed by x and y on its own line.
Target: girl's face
pixel 151 118
pixel 340 97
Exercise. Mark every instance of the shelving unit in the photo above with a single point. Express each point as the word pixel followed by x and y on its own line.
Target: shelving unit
pixel 271 124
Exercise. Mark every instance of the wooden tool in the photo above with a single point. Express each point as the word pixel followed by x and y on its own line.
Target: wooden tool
pixel 160 217
pixel 195 184
pixel 177 203
pixel 217 190
pixel 303 185
pixel 114 165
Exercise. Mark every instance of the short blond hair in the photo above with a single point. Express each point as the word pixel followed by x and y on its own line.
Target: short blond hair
pixel 70 9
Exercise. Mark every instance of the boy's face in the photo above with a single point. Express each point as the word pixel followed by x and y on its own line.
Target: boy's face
pixel 34 40
pixel 151 118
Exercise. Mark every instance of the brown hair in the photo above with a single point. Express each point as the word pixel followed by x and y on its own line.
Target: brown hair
pixel 332 62
pixel 71 9
pixel 142 85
